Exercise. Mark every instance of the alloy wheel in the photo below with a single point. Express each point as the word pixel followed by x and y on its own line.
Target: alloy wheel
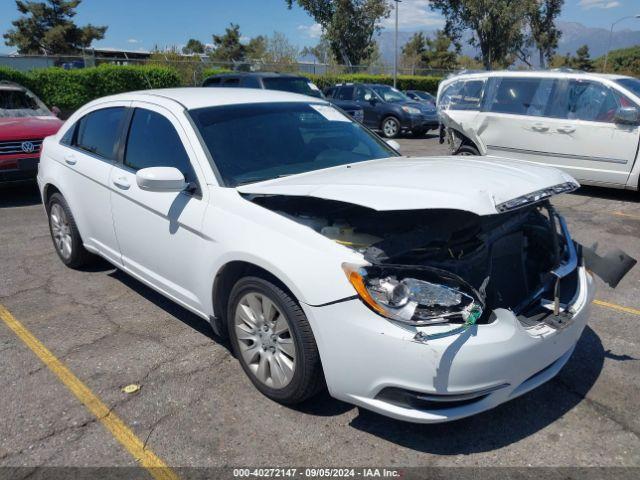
pixel 390 128
pixel 61 231
pixel 265 340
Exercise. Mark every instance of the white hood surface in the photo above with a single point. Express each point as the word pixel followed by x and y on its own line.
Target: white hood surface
pixel 475 185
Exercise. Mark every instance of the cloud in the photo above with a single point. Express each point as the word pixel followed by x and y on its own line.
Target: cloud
pixel 413 14
pixel 311 31
pixel 133 40
pixel 589 4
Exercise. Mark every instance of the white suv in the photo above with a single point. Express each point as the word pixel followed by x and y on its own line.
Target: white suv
pixel 586 124
pixel 427 289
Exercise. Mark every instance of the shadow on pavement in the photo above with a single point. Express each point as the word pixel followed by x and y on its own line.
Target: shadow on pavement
pixel 608 194
pixel 506 424
pixel 19 195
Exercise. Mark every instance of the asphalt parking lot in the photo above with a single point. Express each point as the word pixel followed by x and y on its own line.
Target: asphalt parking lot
pixel 196 407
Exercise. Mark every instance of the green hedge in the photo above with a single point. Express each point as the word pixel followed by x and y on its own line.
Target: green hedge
pixel 70 89
pixel 405 82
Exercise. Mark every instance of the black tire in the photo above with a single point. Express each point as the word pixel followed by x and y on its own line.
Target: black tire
pixel 468 150
pixel 308 378
pixel 388 132
pixel 78 256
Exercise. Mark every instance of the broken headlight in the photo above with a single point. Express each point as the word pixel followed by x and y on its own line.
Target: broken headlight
pixel 419 296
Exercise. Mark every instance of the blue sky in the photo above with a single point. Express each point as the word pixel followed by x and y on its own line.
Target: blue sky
pixel 141 24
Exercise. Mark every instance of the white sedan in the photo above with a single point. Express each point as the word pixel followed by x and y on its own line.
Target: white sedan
pixel 426 289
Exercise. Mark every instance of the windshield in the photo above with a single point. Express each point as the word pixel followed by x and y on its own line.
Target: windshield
pixel 293 85
pixel 256 142
pixel 390 94
pixel 424 95
pixel 17 102
pixel 631 84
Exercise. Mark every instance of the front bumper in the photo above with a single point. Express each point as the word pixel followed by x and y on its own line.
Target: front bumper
pixel 364 356
pixel 422 122
pixel 18 168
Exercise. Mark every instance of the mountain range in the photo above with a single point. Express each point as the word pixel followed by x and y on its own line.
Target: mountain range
pixel 574 35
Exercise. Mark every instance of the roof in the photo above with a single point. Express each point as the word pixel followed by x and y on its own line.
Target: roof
pixel 535 73
pixel 257 74
pixel 200 97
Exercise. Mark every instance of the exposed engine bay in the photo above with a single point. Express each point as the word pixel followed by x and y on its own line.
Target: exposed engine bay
pixel 450 266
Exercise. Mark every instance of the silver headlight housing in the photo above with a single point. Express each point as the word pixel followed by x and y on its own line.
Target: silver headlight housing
pixel 416 295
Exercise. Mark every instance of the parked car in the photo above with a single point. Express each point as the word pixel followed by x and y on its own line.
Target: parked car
pixel 586 124
pixel 278 81
pixel 386 109
pixel 24 122
pixel 402 284
pixel 420 96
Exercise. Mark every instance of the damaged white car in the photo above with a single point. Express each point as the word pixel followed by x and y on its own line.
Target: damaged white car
pixel 426 289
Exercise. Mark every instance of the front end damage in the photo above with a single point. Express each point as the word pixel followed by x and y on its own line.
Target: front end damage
pixel 479 309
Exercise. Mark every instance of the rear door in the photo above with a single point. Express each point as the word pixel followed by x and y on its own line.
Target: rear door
pixel 89 152
pixel 159 232
pixel 516 119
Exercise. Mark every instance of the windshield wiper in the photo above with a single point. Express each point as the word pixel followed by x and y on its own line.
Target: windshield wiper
pixel 262 179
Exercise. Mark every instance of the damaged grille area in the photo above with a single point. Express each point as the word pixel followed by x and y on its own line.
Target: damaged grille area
pixel 510 259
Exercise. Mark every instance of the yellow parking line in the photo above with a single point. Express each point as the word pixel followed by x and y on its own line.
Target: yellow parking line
pixel 120 431
pixel 619 308
pixel 627 215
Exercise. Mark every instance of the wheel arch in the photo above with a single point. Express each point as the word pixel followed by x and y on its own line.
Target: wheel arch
pixel 224 280
pixel 47 191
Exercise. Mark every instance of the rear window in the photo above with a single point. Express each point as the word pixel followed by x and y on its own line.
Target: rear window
pixel 16 102
pixel 631 84
pixel 293 85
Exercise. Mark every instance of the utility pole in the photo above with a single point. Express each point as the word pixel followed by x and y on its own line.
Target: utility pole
pixel 606 57
pixel 395 49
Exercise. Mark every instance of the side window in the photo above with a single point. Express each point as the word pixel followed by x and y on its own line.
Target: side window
pixel 153 142
pixel 522 96
pixel 463 95
pixel 363 94
pixel 212 82
pixel 345 93
pixel 590 101
pixel 329 92
pixel 67 139
pixel 231 82
pixel 98 132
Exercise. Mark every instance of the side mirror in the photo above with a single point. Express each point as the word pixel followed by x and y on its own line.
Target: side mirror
pixel 393 144
pixel 161 179
pixel 627 116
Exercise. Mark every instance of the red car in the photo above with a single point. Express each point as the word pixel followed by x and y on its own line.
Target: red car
pixel 24 122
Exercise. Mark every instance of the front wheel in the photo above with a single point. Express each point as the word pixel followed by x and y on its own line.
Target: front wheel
pixel 390 127
pixel 273 341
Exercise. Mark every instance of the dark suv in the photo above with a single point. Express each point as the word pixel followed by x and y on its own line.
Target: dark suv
pixel 386 109
pixel 278 81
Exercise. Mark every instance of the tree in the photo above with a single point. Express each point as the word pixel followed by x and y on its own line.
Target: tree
pixel 438 53
pixel 257 47
pixel 280 49
pixel 582 60
pixel 541 17
pixel 497 25
pixel 349 25
pixel 47 28
pixel 193 46
pixel 227 46
pixel 322 51
pixel 413 51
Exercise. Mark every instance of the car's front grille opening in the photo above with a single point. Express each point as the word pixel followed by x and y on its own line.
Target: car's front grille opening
pixel 428 401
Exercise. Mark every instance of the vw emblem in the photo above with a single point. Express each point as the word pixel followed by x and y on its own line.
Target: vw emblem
pixel 27 147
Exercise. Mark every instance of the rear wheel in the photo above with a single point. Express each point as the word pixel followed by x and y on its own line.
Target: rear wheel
pixel 65 235
pixel 467 151
pixel 390 127
pixel 273 341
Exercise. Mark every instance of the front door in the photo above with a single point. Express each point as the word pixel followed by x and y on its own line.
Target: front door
pixel 159 232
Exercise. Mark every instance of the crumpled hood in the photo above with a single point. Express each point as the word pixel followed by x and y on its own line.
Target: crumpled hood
pixel 475 185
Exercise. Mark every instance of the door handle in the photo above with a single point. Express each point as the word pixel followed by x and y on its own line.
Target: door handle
pixel 70 160
pixel 121 182
pixel 540 127
pixel 567 129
